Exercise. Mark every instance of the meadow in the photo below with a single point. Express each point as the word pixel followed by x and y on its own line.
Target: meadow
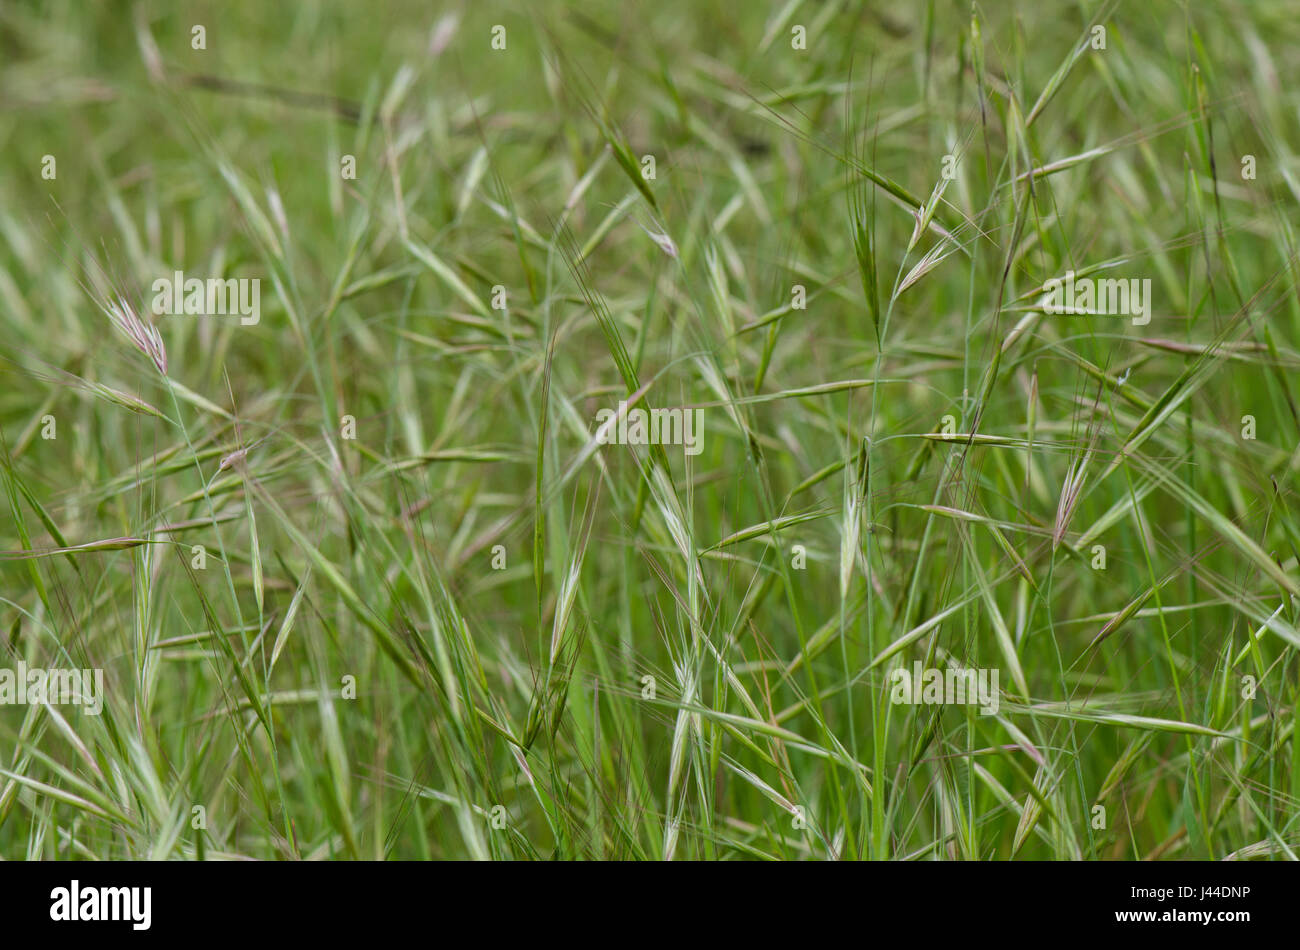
pixel 392 572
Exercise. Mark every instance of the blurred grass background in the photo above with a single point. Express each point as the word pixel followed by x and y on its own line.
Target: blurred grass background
pixel 657 671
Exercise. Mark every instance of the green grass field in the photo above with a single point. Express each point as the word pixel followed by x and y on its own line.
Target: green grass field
pixel 365 577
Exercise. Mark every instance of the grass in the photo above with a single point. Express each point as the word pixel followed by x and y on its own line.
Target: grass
pixel 434 617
